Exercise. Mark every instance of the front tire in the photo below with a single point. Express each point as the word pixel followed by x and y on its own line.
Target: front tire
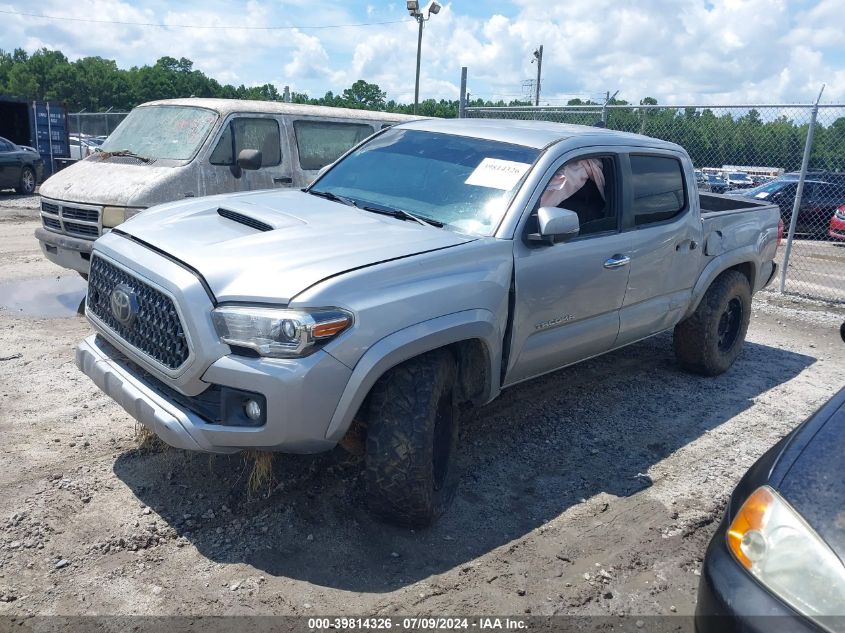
pixel 412 439
pixel 27 182
pixel 709 341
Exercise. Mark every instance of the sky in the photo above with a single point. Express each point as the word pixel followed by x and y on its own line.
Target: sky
pixel 678 51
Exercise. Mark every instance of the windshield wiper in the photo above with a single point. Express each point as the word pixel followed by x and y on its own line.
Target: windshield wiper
pixel 328 195
pixel 401 214
pixel 122 152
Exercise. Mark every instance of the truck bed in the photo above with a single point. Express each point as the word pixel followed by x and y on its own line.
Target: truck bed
pixel 714 203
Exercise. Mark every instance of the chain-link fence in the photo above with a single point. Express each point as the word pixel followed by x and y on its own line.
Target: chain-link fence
pixel 754 151
pixel 89 129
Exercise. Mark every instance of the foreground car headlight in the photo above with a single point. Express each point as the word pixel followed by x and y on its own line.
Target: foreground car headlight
pixel 277 332
pixel 113 216
pixel 775 544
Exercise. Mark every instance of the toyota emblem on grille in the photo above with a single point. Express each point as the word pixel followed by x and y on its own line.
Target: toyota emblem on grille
pixel 124 304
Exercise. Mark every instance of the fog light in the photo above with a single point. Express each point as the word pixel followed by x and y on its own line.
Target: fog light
pixel 252 410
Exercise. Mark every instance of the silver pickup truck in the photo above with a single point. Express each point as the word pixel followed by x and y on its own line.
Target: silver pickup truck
pixel 432 266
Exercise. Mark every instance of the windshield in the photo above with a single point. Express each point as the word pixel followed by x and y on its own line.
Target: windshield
pixel 739 176
pixel 768 188
pixel 464 183
pixel 173 132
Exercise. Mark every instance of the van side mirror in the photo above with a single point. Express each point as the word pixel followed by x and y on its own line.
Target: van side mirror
pixel 556 225
pixel 249 159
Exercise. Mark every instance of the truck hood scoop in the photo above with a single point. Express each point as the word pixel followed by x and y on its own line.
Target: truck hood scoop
pixel 269 246
pixel 240 218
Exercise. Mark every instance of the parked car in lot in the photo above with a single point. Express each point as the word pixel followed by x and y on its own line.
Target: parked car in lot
pixel 776 561
pixel 434 265
pixel 21 167
pixel 738 180
pixel 713 184
pixel 819 202
pixel 185 148
pixel 837 224
pixel 82 146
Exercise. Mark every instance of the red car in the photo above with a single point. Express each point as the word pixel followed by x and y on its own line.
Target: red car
pixel 837 224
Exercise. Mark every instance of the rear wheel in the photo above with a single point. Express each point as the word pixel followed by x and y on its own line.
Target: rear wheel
pixel 709 341
pixel 412 439
pixel 27 182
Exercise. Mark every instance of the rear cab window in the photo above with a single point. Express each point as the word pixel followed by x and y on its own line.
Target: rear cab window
pixel 320 143
pixel 658 186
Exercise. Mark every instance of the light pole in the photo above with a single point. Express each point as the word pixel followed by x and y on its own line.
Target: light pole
pixel 421 17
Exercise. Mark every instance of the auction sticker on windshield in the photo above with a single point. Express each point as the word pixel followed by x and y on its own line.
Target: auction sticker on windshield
pixel 497 174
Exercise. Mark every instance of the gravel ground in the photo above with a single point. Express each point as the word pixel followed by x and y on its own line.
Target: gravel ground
pixel 593 490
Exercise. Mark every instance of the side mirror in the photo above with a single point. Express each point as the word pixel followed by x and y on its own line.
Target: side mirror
pixel 249 159
pixel 556 225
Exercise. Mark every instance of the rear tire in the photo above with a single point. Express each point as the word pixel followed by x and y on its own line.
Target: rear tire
pixel 412 438
pixel 27 182
pixel 709 341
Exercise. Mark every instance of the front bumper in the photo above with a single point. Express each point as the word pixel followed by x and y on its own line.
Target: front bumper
pixel 730 600
pixel 302 395
pixel 65 251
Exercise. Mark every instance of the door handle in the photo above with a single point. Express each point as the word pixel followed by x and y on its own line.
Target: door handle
pixel 284 180
pixel 617 261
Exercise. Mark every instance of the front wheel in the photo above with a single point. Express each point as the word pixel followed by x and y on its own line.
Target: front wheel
pixel 27 182
pixel 412 438
pixel 709 341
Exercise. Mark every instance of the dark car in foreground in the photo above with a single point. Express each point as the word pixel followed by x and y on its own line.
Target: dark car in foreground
pixel 819 203
pixel 21 167
pixel 776 561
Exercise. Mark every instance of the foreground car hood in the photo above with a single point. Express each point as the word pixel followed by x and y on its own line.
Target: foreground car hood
pixel 814 483
pixel 311 239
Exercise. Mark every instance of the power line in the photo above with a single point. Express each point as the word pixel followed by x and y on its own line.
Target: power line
pixel 197 26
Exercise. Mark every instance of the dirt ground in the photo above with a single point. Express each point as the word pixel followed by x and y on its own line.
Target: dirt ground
pixel 593 490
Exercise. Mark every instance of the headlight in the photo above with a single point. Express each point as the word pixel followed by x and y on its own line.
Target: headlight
pixel 113 216
pixel 775 544
pixel 276 332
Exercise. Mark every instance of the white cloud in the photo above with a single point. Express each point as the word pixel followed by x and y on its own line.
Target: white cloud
pixel 703 51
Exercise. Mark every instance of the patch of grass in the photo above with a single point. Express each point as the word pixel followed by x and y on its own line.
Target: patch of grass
pixel 148 442
pixel 262 470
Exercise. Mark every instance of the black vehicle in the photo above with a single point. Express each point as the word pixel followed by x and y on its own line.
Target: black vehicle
pixel 819 202
pixel 776 561
pixel 21 167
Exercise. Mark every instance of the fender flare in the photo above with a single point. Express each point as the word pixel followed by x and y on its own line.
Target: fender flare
pixel 410 342
pixel 719 264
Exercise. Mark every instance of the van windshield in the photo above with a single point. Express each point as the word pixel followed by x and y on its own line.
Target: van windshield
pixel 463 183
pixel 173 132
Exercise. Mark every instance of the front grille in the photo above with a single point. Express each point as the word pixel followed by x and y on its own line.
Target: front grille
pixel 49 207
pixel 50 223
pixel 75 213
pixel 82 229
pixel 156 330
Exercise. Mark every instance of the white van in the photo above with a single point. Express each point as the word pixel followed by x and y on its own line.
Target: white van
pixel 184 148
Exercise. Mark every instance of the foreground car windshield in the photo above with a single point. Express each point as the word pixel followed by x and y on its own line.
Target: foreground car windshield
pixel 173 132
pixel 464 183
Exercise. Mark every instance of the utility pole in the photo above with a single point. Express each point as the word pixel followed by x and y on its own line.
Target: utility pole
pixel 462 105
pixel 538 57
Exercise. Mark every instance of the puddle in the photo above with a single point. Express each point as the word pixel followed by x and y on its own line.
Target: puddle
pixel 46 297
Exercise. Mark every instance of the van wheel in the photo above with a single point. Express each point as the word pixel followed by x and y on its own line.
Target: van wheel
pixel 27 183
pixel 412 439
pixel 708 341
